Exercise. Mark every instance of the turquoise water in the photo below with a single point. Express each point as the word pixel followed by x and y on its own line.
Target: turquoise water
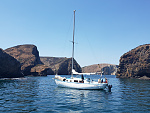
pixel 40 94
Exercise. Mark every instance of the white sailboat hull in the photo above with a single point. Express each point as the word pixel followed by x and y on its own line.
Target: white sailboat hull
pixel 78 83
pixel 74 85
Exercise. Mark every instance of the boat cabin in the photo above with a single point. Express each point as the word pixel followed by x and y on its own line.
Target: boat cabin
pixel 78 80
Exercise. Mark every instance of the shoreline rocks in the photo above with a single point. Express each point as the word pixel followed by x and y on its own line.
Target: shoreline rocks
pixel 135 63
pixel 28 56
pixel 60 65
pixel 144 78
pixel 41 70
pixel 24 60
pixel 9 66
pixel 27 62
pixel 108 69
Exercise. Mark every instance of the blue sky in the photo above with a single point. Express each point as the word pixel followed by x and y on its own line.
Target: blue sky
pixel 105 29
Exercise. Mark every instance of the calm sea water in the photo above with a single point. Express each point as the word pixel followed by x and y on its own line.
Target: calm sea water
pixel 40 94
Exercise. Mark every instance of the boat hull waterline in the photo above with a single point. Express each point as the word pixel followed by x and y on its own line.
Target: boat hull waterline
pixel 74 85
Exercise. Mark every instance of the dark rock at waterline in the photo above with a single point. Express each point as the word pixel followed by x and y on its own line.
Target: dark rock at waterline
pixel 110 69
pixel 135 63
pixel 41 70
pixel 66 67
pixel 27 55
pixel 9 66
pixel 53 62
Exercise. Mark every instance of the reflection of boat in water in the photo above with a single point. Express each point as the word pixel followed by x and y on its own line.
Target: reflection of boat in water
pixel 79 83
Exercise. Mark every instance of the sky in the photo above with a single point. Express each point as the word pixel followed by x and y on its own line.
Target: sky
pixel 104 29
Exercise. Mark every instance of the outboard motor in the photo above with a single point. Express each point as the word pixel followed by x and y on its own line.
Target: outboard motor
pixel 109 88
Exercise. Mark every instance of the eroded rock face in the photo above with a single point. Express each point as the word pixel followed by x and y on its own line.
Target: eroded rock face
pixel 60 65
pixel 9 66
pixel 135 63
pixel 53 62
pixel 66 67
pixel 41 70
pixel 27 55
pixel 108 69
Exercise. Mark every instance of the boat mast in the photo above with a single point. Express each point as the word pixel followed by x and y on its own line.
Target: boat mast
pixel 73 42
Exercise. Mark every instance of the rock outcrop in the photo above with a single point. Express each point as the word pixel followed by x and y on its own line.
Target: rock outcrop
pixel 27 55
pixel 108 69
pixel 66 67
pixel 41 70
pixel 9 66
pixel 53 62
pixel 135 63
pixel 60 65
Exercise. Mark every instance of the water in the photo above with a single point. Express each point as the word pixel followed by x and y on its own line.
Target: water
pixel 40 94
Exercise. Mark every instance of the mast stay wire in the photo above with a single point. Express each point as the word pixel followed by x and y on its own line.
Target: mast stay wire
pixel 67 35
pixel 92 50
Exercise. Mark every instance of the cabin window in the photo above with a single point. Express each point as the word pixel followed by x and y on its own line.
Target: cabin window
pixel 75 80
pixel 70 80
pixel 80 81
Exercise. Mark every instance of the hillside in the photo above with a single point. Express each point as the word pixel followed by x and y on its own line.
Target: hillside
pixel 135 63
pixel 108 69
pixel 60 65
pixel 10 67
pixel 28 56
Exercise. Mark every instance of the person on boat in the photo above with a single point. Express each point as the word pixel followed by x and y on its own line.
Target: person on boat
pixel 102 81
pixel 64 79
pixel 82 77
pixel 99 80
pixel 106 80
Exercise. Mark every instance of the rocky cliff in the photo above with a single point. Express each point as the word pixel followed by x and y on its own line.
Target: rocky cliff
pixel 135 63
pixel 9 66
pixel 27 55
pixel 108 69
pixel 60 65
pixel 66 66
pixel 53 62
pixel 41 70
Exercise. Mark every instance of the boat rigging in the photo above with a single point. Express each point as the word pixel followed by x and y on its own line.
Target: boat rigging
pixel 79 83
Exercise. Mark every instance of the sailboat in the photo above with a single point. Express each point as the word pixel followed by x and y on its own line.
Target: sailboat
pixel 82 82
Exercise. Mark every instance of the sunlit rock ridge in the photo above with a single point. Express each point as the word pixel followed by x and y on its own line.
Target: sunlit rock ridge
pixel 135 63
pixel 107 69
